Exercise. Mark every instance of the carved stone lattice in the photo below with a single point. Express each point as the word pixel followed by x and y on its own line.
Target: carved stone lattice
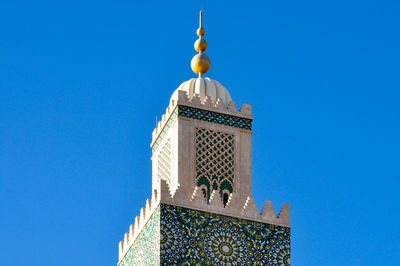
pixel 164 163
pixel 215 160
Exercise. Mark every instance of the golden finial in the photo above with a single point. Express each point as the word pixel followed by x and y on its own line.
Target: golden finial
pixel 200 62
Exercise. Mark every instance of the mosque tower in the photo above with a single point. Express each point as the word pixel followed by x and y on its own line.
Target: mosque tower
pixel 202 211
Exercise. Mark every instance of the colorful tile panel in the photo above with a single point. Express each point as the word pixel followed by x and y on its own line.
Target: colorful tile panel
pixel 191 237
pixel 213 117
pixel 181 236
pixel 146 248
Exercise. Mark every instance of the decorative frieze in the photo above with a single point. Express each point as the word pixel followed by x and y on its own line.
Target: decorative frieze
pixel 214 117
pixel 203 115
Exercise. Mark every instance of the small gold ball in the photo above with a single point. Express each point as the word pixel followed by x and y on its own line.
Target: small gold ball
pixel 201 32
pixel 200 63
pixel 200 45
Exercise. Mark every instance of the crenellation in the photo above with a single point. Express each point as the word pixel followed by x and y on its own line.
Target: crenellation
pixel 182 97
pixel 154 198
pixel 234 203
pixel 219 104
pixel 140 222
pixel 131 233
pixel 142 215
pixel 208 102
pixel 245 109
pixel 148 206
pixel 268 211
pixel 228 203
pixel 137 225
pixel 198 198
pixel 232 107
pixel 165 193
pixel 126 240
pixel 246 209
pixel 215 200
pixel 180 195
pixel 121 250
pixel 284 214
pixel 250 208
pixel 196 100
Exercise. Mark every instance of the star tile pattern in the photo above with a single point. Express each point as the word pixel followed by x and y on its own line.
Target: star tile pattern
pixel 191 237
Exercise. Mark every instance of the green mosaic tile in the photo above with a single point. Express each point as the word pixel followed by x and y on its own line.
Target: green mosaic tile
pixel 146 248
pixel 182 236
pixel 191 237
pixel 214 117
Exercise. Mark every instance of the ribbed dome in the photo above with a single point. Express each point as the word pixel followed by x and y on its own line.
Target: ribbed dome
pixel 204 87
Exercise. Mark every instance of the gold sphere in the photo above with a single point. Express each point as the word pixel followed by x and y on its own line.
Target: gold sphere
pixel 200 63
pixel 200 45
pixel 201 32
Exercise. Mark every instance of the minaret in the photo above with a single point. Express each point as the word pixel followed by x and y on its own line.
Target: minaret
pixel 202 211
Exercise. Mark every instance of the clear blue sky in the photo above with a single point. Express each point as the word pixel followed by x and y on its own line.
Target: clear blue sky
pixel 81 84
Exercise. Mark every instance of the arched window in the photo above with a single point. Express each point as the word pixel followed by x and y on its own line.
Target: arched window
pixel 204 192
pixel 225 198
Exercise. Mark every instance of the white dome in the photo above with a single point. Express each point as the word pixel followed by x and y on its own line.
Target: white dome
pixel 204 87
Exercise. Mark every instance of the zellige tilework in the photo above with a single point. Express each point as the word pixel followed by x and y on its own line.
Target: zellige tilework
pixel 191 237
pixel 146 248
pixel 213 117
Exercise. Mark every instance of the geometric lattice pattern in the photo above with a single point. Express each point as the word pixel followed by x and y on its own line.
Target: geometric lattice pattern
pixel 164 162
pixel 191 237
pixel 213 117
pixel 215 160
